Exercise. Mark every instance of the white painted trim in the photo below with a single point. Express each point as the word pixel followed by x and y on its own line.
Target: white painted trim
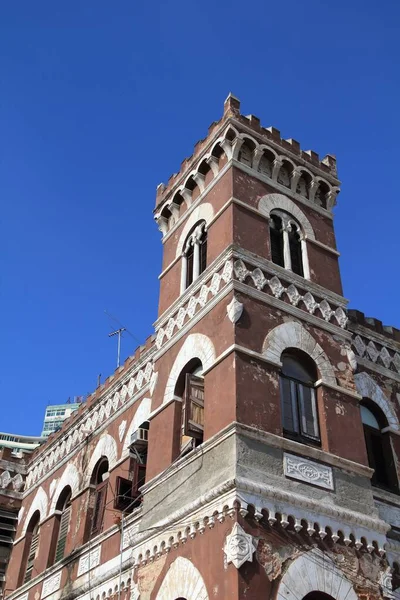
pixel 70 477
pixel 293 335
pixel 368 388
pixel 106 446
pixel 323 246
pixel 314 571
pixel 182 580
pixel 271 202
pixel 40 503
pixel 337 388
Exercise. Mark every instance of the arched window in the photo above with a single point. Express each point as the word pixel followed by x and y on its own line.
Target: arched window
pixel 63 516
pixel 379 449
pixel 100 480
pixel 190 387
pixel 288 246
pixel 298 400
pixel 31 546
pixel 194 258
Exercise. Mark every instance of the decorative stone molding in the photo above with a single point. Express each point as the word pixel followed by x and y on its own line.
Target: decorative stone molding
pixel 204 212
pixel 16 481
pixel 40 503
pixel 135 593
pixel 314 571
pixel 187 309
pixel 275 285
pixel 106 446
pixel 239 547
pixel 89 561
pixel 385 583
pixel 141 415
pixel 196 345
pixel 234 310
pixel 69 477
pixel 89 423
pixel 270 202
pixel 121 430
pixel 368 350
pixel 308 471
pixel 293 335
pixel 182 580
pixel 51 585
pixel 368 388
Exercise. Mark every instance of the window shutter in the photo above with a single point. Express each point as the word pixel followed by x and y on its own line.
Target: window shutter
pixel 31 557
pixel 308 412
pixel 98 513
pixel 295 253
pixel 189 267
pixel 62 534
pixel 193 422
pixel 203 252
pixel 288 402
pixel 123 498
pixel 276 238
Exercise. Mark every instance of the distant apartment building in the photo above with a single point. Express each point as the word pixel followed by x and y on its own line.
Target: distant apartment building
pixel 57 413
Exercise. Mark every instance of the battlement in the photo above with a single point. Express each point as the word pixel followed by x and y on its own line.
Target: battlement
pixel 357 317
pixel 243 139
pixel 141 355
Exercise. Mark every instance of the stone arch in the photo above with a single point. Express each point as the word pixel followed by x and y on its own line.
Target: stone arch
pixel 293 335
pixel 314 572
pixel 182 580
pixel 368 388
pixel 40 503
pixel 106 446
pixel 142 414
pixel 272 201
pixel 204 212
pixel 196 345
pixel 69 477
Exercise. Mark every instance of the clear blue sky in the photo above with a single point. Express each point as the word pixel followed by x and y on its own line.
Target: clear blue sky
pixel 100 101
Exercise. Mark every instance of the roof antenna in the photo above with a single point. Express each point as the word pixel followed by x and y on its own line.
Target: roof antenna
pixel 118 332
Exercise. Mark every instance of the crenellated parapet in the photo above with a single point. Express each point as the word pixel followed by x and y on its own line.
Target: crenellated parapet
pixel 241 141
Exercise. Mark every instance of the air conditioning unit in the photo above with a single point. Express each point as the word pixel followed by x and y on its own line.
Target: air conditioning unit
pixel 139 438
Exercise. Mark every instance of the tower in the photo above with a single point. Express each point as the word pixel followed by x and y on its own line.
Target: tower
pixel 244 452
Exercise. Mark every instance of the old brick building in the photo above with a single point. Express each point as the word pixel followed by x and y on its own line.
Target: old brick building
pixel 249 448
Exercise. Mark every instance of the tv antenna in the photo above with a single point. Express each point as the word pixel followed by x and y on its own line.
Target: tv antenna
pixel 119 333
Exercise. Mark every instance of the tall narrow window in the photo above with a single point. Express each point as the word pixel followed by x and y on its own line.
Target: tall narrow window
pixel 288 247
pixel 63 519
pixel 100 479
pixel 194 257
pixel 31 547
pixel 298 401
pixel 276 237
pixel 379 450
pixel 295 250
pixel 193 416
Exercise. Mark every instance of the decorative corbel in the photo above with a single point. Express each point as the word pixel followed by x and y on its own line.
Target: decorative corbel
pixel 295 180
pixel 257 156
pixel 162 223
pixel 213 163
pixel 276 168
pixel 186 195
pixel 200 180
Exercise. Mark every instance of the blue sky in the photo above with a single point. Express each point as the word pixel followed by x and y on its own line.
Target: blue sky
pixel 100 102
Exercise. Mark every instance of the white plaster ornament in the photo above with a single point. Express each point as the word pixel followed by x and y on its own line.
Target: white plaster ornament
pixel 239 547
pixel 234 310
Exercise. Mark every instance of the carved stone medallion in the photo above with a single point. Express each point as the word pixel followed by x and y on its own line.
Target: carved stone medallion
pixel 234 310
pixel 239 547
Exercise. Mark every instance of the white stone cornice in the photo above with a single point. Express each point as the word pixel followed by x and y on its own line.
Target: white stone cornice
pixel 374 335
pixel 368 364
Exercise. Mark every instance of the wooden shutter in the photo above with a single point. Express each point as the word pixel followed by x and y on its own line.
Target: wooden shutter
pixel 123 496
pixel 193 421
pixel 31 557
pixel 203 252
pixel 308 412
pixel 276 238
pixel 189 263
pixel 63 532
pixel 295 253
pixel 99 504
pixel 289 405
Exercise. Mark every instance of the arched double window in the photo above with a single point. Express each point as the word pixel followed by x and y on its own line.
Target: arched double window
pixel 63 517
pixel 379 449
pixel 194 257
pixel 31 547
pixel 288 246
pixel 298 398
pixel 100 481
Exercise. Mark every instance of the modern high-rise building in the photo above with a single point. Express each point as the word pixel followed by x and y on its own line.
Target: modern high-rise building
pixel 57 413
pixel 249 450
